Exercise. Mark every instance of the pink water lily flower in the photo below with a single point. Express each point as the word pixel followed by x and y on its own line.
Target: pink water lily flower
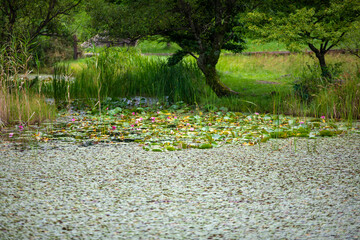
pixel 73 119
pixel 256 113
pixel 133 113
pixel 113 127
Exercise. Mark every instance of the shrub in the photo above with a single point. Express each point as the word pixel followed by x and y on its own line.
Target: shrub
pixel 311 81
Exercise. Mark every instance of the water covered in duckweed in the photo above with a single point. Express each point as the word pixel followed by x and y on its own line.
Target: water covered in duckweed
pixel 281 189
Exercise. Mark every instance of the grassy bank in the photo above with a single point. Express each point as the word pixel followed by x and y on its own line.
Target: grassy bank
pixel 290 84
pixel 267 83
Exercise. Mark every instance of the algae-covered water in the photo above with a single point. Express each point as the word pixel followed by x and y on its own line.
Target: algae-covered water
pixel 281 189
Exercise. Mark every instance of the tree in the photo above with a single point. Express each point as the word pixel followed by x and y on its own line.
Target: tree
pixel 202 28
pixel 30 19
pixel 319 24
pixel 352 40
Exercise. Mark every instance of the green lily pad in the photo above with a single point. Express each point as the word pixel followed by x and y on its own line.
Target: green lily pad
pixel 325 133
pixel 170 148
pixel 205 146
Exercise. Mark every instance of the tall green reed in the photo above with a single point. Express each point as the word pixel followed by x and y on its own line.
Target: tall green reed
pixel 20 103
pixel 341 100
pixel 336 98
pixel 120 73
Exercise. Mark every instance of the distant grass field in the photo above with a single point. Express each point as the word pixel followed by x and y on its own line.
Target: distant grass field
pixel 148 46
pixel 153 46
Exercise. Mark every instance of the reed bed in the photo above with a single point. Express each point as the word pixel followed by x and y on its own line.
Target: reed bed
pixel 21 99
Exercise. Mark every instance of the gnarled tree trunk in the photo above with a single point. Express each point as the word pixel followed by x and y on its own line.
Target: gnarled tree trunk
pixel 207 64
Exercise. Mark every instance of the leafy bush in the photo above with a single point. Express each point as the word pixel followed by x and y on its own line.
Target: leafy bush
pixel 50 50
pixel 311 81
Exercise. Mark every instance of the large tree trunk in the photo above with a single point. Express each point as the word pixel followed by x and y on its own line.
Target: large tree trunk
pixel 324 68
pixel 207 64
pixel 75 45
pixel 320 55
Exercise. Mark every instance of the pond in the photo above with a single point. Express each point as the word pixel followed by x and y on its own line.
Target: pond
pixel 176 128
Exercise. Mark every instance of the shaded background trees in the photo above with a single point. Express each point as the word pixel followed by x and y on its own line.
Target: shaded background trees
pixel 26 22
pixel 201 28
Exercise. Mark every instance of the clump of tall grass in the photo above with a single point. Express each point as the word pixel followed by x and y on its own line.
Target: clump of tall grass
pixel 19 103
pixel 341 99
pixel 125 73
pixel 313 95
pixel 311 81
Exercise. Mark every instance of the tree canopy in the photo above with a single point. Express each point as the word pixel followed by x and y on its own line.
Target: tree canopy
pixel 319 24
pixel 30 19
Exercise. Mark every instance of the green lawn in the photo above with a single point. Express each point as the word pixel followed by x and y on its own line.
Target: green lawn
pixel 153 46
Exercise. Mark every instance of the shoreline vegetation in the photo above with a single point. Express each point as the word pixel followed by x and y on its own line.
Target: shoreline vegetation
pixel 269 85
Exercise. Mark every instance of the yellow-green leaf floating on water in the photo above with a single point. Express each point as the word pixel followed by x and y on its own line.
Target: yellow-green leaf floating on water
pixel 170 130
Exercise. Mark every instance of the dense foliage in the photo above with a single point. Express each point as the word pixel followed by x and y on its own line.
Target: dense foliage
pixel 321 25
pixel 30 19
pixel 201 28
